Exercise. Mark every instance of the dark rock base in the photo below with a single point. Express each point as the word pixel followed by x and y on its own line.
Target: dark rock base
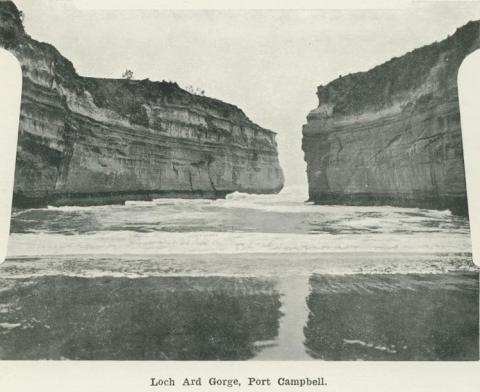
pixel 106 198
pixel 456 204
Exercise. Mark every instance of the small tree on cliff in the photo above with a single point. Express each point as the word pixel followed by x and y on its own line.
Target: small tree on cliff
pixel 128 74
pixel 195 90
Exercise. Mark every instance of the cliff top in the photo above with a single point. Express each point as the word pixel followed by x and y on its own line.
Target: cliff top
pixel 105 91
pixel 11 24
pixel 353 92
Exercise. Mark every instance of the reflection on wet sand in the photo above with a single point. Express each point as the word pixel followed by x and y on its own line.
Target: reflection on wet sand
pixel 284 317
pixel 177 318
pixel 289 342
pixel 393 317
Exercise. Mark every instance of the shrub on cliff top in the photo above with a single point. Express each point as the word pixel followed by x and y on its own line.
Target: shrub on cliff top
pixel 128 74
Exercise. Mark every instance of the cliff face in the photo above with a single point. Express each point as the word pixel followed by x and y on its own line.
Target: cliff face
pixel 392 135
pixel 85 140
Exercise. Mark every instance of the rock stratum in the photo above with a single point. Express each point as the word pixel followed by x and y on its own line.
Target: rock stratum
pixel 392 135
pixel 98 141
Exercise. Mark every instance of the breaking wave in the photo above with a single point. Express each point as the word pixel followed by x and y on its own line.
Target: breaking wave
pixel 241 224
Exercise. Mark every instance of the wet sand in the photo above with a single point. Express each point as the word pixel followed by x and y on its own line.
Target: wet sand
pixel 375 316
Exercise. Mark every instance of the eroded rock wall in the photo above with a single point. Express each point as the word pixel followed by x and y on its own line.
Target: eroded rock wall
pixel 392 135
pixel 91 141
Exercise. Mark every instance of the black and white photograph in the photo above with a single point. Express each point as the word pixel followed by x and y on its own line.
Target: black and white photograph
pixel 239 184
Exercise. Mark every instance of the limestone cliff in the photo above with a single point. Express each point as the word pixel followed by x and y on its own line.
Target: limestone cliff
pixel 89 141
pixel 392 135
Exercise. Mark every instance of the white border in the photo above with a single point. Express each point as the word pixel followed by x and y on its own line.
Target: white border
pixel 10 95
pixel 109 376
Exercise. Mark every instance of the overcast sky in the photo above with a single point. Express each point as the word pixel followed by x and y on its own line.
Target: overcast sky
pixel 268 63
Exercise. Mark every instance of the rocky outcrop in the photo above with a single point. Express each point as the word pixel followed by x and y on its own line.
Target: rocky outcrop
pixel 94 141
pixel 392 135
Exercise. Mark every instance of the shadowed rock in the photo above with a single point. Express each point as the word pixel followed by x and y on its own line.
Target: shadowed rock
pixel 392 135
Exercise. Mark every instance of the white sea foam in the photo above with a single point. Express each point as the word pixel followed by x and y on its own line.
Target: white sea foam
pixel 127 242
pixel 240 224
pixel 289 200
pixel 293 200
pixel 244 265
pixel 285 212
pixel 378 347
pixel 238 265
pixel 9 325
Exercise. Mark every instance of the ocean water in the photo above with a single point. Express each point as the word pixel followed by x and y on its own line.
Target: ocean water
pixel 262 277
